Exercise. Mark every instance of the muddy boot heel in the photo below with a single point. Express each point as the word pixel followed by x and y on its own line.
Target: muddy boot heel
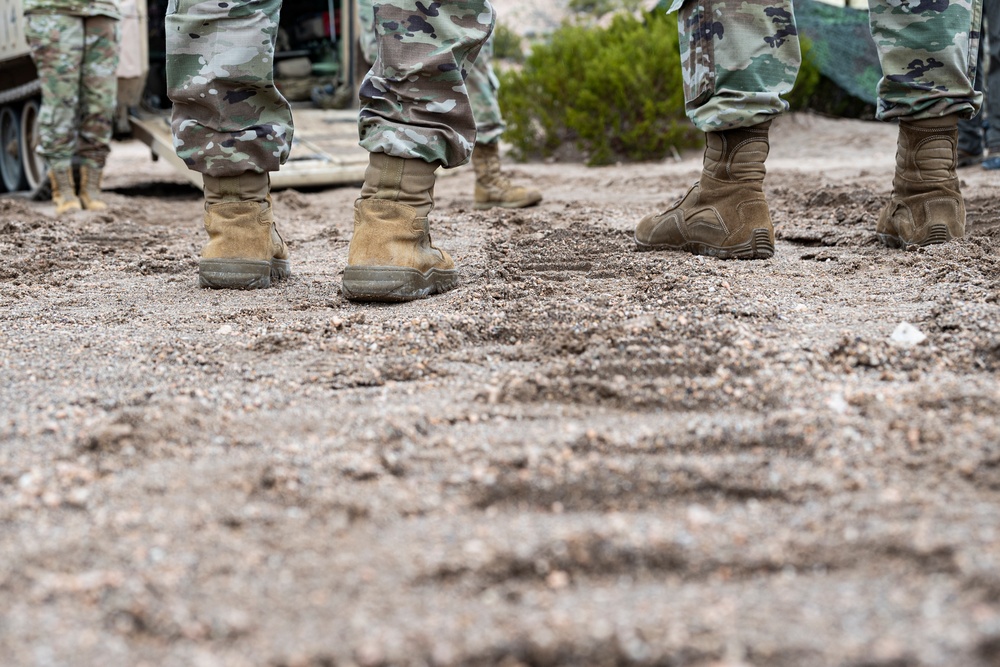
pixel 234 273
pixel 280 269
pixel 926 206
pixel 395 283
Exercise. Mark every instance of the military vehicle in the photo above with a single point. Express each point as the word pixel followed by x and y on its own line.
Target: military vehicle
pixel 20 99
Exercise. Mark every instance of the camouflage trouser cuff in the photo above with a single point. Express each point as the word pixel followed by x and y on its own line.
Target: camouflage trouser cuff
pixel 932 121
pixel 91 163
pixel 59 164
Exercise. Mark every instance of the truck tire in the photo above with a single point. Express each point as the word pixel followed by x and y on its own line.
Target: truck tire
pixel 35 169
pixel 11 167
pixel 22 169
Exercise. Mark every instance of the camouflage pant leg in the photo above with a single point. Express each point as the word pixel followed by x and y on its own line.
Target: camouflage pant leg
pixel 59 46
pixel 928 55
pixel 991 16
pixel 414 102
pixel 228 117
pixel 738 57
pixel 482 83
pixel 970 130
pixel 366 33
pixel 98 89
pixel 484 88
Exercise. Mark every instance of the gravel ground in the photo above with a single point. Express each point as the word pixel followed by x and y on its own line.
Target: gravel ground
pixel 584 455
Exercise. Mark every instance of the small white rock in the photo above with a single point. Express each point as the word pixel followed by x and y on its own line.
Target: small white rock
pixel 837 403
pixel 699 515
pixel 78 497
pixel 907 335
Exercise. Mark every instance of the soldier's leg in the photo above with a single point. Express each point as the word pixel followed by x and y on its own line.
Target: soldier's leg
pixel 493 188
pixel 415 116
pixel 231 124
pixel 970 130
pixel 414 103
pixel 56 42
pixel 991 22
pixel 366 36
pixel 484 88
pixel 98 98
pixel 928 54
pixel 738 58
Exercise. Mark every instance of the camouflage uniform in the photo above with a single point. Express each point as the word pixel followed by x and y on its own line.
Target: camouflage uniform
pixel 972 132
pixel 229 118
pixel 414 100
pixel 482 83
pixel 740 56
pixel 74 44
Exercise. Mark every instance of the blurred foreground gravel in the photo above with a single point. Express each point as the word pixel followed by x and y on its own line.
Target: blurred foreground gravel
pixel 585 455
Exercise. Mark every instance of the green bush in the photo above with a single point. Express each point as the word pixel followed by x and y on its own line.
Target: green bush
pixel 507 44
pixel 598 8
pixel 807 81
pixel 615 92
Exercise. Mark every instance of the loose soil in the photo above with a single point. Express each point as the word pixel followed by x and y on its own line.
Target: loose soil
pixel 584 455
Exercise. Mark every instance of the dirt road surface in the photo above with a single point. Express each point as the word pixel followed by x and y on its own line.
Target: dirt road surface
pixel 584 455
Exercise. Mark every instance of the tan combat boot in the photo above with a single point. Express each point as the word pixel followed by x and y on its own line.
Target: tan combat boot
pixel 244 249
pixel 492 187
pixel 64 191
pixel 926 205
pixel 724 214
pixel 90 189
pixel 391 257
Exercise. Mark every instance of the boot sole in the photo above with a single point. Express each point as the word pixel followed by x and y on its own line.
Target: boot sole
pixel 394 284
pixel 524 203
pixel 759 246
pixel 936 234
pixel 241 273
pixel 69 208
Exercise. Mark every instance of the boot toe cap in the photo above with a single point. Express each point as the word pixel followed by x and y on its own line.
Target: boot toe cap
pixel 660 229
